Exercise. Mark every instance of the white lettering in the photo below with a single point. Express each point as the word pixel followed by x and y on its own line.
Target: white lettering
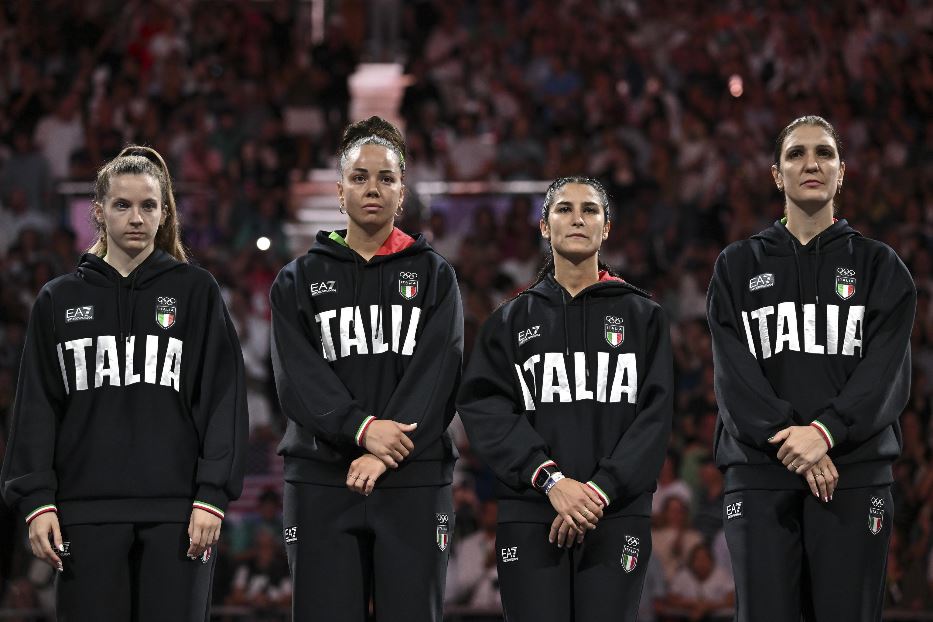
pixel 171 367
pixel 579 373
pixel 554 364
pixel 762 316
pixel 130 377
pixel 77 346
pixel 625 368
pixel 853 328
pixel 786 328
pixel 106 353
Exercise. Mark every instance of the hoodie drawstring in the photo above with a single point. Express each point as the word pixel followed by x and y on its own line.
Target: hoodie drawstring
pixel 816 273
pixel 793 246
pixel 563 299
pixel 379 327
pixel 587 361
pixel 357 277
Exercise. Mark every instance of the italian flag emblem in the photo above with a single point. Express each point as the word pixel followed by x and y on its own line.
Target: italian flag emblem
pixel 442 537
pixel 630 553
pixel 615 331
pixel 408 285
pixel 165 312
pixel 875 515
pixel 845 283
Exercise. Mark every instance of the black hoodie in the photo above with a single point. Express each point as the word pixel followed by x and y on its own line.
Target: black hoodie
pixel 131 402
pixel 354 341
pixel 813 334
pixel 584 383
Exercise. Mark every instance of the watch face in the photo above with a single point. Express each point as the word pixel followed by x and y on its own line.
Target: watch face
pixel 543 476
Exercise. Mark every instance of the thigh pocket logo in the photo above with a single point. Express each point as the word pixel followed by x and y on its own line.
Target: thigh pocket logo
pixel 443 531
pixel 875 515
pixel 630 553
pixel 509 554
pixel 291 534
pixel 734 510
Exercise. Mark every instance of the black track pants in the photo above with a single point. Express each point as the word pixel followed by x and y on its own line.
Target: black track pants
pixel 138 572
pixel 793 555
pixel 344 548
pixel 598 580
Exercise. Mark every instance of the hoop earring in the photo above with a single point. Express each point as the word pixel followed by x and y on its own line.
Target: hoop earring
pixel 342 210
pixel 839 191
pixel 399 211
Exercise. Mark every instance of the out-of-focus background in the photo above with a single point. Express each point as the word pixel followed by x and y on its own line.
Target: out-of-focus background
pixel 673 104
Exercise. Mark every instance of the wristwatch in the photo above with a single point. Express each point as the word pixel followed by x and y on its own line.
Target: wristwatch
pixel 543 475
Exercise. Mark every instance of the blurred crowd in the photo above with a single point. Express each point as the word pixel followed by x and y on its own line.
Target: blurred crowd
pixel 674 105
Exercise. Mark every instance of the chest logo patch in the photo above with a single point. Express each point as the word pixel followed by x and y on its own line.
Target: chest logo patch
pixel 408 285
pixel 615 331
pixel 845 283
pixel 324 287
pixel 524 336
pixel 79 314
pixel 165 312
pixel 761 281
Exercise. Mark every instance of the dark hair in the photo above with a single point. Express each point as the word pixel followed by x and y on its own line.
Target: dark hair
pixel 372 131
pixel 548 203
pixel 141 160
pixel 810 119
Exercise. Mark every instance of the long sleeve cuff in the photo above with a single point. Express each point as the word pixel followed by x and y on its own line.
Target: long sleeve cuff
pixel 361 430
pixel 831 427
pixel 211 499
pixel 39 511
pixel 603 487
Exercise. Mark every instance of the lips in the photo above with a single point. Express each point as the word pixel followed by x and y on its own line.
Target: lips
pixel 812 183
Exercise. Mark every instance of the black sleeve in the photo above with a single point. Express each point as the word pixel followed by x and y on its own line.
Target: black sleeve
pixel 493 410
pixel 310 393
pixel 219 408
pixel 750 410
pixel 425 393
pixel 635 463
pixel 28 478
pixel 878 390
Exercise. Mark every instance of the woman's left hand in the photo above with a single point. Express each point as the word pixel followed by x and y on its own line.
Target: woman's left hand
pixel 802 446
pixel 203 531
pixel 363 473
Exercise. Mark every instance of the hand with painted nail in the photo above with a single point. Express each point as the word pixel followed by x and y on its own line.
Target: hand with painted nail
pixel 44 534
pixel 363 473
pixel 823 479
pixel 801 447
pixel 203 532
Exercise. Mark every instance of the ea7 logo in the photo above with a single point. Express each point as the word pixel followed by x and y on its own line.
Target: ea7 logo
pixel 760 282
pixel 734 510
pixel 79 313
pixel 324 287
pixel 509 554
pixel 291 534
pixel 528 334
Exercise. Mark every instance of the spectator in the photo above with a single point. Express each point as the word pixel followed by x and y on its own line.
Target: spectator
pixel 471 576
pixel 701 588
pixel 673 539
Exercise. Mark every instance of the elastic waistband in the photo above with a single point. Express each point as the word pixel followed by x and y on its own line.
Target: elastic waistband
pixel 87 511
pixel 777 477
pixel 409 474
pixel 539 510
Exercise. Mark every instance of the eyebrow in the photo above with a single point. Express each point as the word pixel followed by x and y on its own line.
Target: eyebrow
pixel 585 203
pixel 365 170
pixel 146 200
pixel 828 145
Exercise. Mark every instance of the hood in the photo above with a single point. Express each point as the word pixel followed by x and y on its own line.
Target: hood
pixel 607 285
pixel 399 244
pixel 777 240
pixel 95 271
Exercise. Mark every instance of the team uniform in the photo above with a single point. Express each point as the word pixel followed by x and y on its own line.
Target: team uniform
pixel 353 341
pixel 581 385
pixel 130 410
pixel 814 334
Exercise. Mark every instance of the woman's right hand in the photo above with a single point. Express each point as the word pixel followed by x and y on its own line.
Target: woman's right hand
pixel 387 440
pixel 40 529
pixel 823 478
pixel 576 504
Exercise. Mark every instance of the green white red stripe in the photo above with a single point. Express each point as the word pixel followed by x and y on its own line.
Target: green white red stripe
pixel 40 510
pixel 361 431
pixel 546 463
pixel 827 435
pixel 599 491
pixel 207 507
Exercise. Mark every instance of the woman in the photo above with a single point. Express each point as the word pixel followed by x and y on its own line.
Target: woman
pixel 568 399
pixel 811 326
pixel 130 419
pixel 367 339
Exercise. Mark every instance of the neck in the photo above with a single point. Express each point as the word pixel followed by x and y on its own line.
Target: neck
pixel 805 225
pixel 123 262
pixel 366 242
pixel 576 276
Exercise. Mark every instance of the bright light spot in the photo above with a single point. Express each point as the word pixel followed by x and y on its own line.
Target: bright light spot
pixel 263 243
pixel 735 85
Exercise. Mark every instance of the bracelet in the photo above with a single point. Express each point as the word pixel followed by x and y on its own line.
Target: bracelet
pixel 553 479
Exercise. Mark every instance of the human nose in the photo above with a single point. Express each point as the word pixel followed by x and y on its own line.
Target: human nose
pixel 372 188
pixel 811 163
pixel 136 216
